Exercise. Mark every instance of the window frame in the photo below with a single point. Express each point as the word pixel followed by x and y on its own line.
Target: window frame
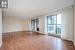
pixel 52 24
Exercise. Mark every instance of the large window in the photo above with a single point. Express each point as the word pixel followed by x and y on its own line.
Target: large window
pixel 35 24
pixel 54 24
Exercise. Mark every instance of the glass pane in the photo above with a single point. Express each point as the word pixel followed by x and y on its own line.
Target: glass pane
pixel 33 24
pixel 58 29
pixel 37 23
pixel 59 19
pixel 52 19
pixel 51 28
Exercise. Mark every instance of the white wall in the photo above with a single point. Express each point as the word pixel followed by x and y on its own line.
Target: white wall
pixel 42 24
pixel 11 24
pixel 68 24
pixel 0 27
pixel 74 22
pixel 26 25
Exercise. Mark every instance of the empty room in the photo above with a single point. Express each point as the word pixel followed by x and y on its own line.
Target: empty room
pixel 37 25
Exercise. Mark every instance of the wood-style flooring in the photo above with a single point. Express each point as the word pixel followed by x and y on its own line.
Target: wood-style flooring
pixel 34 41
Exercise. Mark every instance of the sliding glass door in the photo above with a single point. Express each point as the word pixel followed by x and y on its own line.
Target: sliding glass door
pixel 59 26
pixel 35 24
pixel 51 24
pixel 54 24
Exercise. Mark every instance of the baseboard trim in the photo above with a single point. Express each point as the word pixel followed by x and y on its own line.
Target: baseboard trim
pixel 54 35
pixel 40 33
pixel 9 33
pixel 16 31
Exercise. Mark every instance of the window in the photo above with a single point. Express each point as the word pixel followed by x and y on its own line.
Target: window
pixel 54 24
pixel 51 23
pixel 35 24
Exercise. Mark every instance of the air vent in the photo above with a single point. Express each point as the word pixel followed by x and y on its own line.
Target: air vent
pixel 3 3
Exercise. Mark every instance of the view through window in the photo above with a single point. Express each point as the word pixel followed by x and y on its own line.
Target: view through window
pixel 54 24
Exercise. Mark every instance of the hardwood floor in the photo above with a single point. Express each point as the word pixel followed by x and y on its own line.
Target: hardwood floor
pixel 34 41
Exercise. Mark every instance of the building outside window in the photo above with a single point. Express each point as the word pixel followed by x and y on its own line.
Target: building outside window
pixel 54 24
